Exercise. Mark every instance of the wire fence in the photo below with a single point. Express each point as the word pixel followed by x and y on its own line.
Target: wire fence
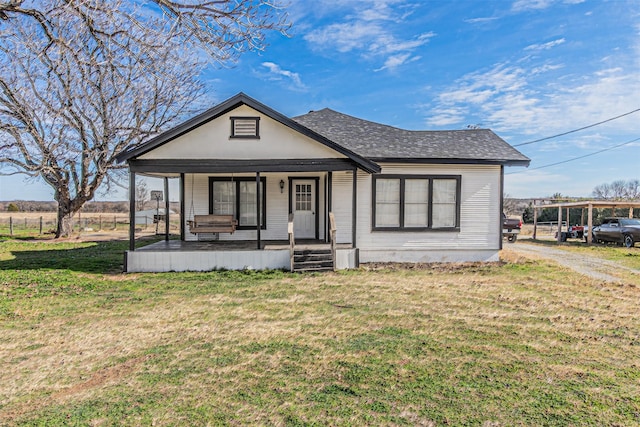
pixel 16 225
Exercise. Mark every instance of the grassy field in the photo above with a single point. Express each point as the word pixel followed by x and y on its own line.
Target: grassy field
pixel 515 343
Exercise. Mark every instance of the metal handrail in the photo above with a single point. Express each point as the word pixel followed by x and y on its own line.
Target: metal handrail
pixel 332 234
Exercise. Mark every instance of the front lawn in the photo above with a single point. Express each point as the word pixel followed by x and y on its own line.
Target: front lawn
pixel 516 343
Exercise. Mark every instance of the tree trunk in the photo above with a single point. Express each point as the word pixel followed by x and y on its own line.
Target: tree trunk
pixel 64 225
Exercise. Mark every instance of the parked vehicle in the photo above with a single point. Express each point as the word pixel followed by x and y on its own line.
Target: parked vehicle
pixel 511 228
pixel 574 232
pixel 618 230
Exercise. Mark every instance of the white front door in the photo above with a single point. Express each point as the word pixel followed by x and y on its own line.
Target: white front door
pixel 304 209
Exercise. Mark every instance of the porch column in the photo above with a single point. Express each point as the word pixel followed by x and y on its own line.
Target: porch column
pixel 182 210
pixel 500 222
pixel 535 221
pixel 132 210
pixel 590 224
pixel 354 208
pixel 329 207
pixel 258 208
pixel 166 209
pixel 559 224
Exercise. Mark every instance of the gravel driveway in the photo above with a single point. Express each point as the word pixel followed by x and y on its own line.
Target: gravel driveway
pixel 594 267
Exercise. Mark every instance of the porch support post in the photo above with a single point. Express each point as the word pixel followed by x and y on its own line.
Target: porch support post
pixel 166 209
pixel 132 210
pixel 329 207
pixel 182 210
pixel 535 221
pixel 559 239
pixel 354 207
pixel 500 222
pixel 590 224
pixel 258 209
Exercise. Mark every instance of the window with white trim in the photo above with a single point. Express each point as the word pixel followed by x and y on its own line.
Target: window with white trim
pixel 245 127
pixel 416 202
pixel 237 197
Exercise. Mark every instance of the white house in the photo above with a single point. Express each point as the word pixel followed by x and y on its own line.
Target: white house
pixel 396 195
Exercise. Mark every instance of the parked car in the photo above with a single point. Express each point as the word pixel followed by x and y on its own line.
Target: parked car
pixel 618 230
pixel 510 228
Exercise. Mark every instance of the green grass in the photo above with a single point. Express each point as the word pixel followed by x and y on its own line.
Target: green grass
pixel 494 344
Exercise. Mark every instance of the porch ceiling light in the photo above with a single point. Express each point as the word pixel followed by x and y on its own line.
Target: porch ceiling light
pixel 281 186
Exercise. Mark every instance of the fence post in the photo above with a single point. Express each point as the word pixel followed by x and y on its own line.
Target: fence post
pixel 100 222
pixel 25 224
pixel 11 225
pixel 40 225
pixel 115 224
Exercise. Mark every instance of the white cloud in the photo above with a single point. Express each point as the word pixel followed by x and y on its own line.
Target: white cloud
pixel 481 20
pixel 522 5
pixel 395 61
pixel 511 99
pixel 546 68
pixel 346 37
pixel 368 31
pixel 545 46
pixel 277 73
pixel 448 116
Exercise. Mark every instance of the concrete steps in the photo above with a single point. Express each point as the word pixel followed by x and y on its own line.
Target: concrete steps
pixel 312 260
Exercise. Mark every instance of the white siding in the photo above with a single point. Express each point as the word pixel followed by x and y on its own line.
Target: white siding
pixel 341 205
pixel 480 233
pixel 212 141
pixel 277 205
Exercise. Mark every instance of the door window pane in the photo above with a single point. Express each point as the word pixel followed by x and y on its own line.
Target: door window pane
pixel 387 203
pixel 303 197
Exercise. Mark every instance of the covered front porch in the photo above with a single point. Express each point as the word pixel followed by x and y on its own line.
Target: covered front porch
pixel 281 214
pixel 179 255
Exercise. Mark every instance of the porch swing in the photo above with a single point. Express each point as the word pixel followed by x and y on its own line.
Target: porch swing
pixel 210 223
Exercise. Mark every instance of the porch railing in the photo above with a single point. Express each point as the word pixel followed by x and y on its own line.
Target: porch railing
pixel 292 240
pixel 332 236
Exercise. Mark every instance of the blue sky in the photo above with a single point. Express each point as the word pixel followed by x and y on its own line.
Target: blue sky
pixel 526 69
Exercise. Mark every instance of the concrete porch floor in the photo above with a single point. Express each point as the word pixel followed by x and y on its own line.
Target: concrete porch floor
pixel 235 245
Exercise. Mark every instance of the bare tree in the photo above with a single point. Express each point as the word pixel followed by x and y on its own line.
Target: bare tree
pixel 142 195
pixel 633 189
pixel 80 80
pixel 222 28
pixel 509 204
pixel 618 190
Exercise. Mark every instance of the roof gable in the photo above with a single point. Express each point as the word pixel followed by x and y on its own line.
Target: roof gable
pixel 229 105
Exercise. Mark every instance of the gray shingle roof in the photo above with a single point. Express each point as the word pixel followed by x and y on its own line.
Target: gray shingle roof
pixel 376 141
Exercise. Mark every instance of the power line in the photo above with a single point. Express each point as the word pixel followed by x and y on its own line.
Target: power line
pixel 577 158
pixel 577 130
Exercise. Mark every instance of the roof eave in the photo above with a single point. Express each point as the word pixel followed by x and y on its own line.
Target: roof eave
pixel 419 160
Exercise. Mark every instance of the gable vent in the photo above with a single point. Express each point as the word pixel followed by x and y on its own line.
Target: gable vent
pixel 245 127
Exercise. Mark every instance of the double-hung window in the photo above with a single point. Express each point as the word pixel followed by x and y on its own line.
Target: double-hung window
pixel 416 202
pixel 237 197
